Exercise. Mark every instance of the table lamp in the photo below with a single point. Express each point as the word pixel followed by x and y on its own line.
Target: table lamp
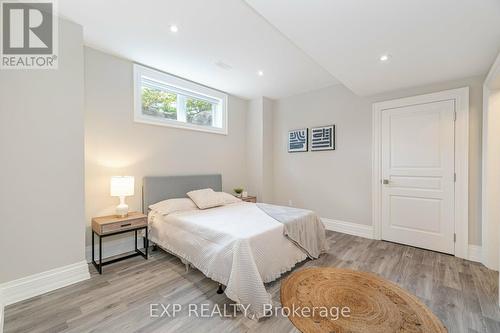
pixel 122 186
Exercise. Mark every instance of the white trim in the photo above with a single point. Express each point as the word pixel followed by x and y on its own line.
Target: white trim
pixel 461 98
pixel 492 74
pixel 490 240
pixel 475 253
pixel 376 173
pixel 1 312
pixel 355 229
pixel 112 247
pixel 37 284
pixel 188 87
pixel 489 256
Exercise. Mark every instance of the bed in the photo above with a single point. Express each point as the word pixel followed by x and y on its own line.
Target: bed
pixel 238 245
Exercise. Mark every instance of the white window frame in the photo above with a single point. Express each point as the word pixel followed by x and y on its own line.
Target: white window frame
pixel 184 87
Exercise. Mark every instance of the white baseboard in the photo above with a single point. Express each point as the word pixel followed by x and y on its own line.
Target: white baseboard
pixel 37 284
pixel 112 247
pixel 366 231
pixel 475 253
pixel 355 229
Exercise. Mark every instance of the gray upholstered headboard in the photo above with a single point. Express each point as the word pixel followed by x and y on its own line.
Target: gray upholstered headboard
pixel 158 188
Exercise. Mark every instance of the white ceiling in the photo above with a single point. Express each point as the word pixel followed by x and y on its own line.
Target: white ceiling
pixel 227 31
pixel 429 40
pixel 300 45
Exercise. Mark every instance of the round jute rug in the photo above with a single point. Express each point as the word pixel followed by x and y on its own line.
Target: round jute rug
pixel 375 304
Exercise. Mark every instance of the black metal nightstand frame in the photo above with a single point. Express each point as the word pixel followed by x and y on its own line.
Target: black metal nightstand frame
pixel 138 252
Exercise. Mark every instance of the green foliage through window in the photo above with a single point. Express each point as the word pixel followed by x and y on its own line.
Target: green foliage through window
pixel 198 112
pixel 167 100
pixel 159 103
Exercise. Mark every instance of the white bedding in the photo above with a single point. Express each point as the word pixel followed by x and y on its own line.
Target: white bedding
pixel 237 245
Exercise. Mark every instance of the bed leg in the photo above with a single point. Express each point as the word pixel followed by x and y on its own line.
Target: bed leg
pixel 221 289
pixel 187 267
pixel 154 247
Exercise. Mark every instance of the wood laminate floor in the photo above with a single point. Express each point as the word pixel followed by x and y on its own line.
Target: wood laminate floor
pixel 462 293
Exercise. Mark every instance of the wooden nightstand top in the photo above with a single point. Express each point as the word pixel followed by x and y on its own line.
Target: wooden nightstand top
pixel 113 223
pixel 249 198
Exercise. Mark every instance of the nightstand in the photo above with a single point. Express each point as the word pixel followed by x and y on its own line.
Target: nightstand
pixel 105 226
pixel 249 199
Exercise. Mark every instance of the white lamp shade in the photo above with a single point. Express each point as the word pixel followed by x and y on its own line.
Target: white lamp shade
pixel 122 186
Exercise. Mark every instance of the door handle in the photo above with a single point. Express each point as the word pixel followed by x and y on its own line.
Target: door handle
pixel 385 181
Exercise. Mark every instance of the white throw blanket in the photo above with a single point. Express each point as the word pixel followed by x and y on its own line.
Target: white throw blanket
pixel 237 245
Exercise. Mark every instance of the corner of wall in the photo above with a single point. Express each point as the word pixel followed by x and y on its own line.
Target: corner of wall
pixel 1 311
pixel 259 148
pixel 60 158
pixel 40 283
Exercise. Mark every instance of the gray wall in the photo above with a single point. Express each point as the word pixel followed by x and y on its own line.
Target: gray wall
pixel 116 145
pixel 259 149
pixel 338 184
pixel 42 179
pixel 254 153
pixel 334 184
pixel 267 150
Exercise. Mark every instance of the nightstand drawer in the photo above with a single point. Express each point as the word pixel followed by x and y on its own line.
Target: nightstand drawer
pixel 112 223
pixel 123 225
pixel 249 199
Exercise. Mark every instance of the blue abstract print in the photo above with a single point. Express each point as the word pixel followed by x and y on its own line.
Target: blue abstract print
pixel 297 140
pixel 323 138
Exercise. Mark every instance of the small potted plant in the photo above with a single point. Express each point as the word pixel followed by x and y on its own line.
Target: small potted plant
pixel 238 191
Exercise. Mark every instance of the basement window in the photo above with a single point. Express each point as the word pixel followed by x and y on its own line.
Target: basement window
pixel 166 100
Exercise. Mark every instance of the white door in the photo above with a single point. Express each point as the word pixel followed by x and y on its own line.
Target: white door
pixel 418 175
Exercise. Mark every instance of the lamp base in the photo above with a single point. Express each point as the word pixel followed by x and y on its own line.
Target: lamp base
pixel 122 208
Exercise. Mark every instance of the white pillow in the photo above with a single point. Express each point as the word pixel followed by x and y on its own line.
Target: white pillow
pixel 206 198
pixel 169 206
pixel 228 198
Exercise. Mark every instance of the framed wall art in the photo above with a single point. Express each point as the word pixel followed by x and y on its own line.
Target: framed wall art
pixel 323 138
pixel 298 140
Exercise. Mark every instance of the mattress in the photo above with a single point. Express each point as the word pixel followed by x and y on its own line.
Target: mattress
pixel 237 245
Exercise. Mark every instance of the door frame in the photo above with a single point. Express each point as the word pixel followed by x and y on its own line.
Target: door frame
pixel 461 202
pixel 490 236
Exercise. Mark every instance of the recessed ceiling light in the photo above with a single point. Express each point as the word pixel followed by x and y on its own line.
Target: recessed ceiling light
pixel 260 73
pixel 385 57
pixel 174 28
